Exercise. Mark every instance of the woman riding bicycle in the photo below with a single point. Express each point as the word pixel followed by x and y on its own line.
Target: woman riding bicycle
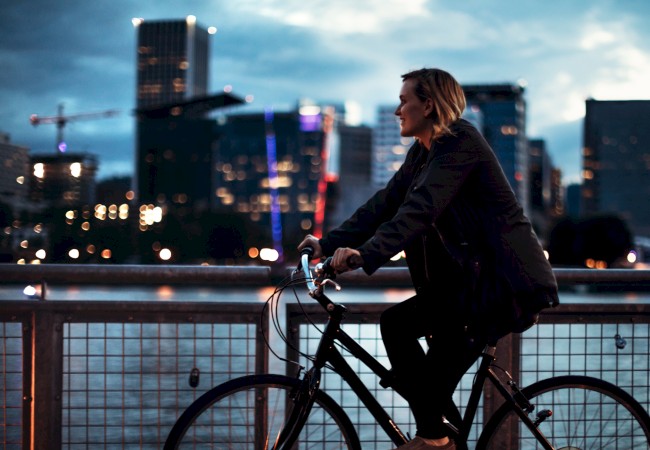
pixel 476 264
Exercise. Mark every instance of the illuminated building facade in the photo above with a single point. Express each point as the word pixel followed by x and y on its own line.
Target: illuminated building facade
pixel 354 184
pixel 389 147
pixel 545 188
pixel 271 168
pixel 503 113
pixel 66 179
pixel 14 173
pixel 616 162
pixel 172 61
pixel 174 137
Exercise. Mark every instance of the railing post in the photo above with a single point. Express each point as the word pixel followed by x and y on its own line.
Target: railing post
pixel 27 335
pixel 47 380
pixel 508 355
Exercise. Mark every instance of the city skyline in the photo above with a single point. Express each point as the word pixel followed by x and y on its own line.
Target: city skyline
pixel 279 52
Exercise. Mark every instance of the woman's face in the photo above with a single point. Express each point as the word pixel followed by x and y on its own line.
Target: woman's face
pixel 413 113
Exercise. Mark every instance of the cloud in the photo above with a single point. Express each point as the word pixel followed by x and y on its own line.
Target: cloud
pixel 83 54
pixel 336 19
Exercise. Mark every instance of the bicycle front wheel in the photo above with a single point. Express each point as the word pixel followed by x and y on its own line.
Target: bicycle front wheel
pixel 250 413
pixel 587 413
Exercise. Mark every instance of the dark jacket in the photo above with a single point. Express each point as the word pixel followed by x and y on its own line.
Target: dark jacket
pixel 456 195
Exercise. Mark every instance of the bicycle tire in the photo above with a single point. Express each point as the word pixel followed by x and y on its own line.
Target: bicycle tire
pixel 249 413
pixel 588 413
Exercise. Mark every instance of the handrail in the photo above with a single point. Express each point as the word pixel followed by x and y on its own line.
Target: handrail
pixel 135 274
pixel 247 275
pixel 399 276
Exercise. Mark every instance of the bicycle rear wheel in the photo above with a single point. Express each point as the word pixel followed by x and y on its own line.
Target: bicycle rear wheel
pixel 250 412
pixel 587 413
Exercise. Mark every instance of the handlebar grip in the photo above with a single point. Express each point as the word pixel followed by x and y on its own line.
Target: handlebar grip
pixel 309 251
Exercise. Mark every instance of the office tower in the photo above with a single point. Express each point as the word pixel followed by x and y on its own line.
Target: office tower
pixel 174 159
pixel 354 184
pixel 616 162
pixel 63 180
pixel 389 147
pixel 175 138
pixel 573 200
pixel 14 174
pixel 503 112
pixel 558 194
pixel 545 185
pixel 172 61
pixel 271 168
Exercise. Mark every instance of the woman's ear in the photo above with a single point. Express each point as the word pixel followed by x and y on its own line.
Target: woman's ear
pixel 428 108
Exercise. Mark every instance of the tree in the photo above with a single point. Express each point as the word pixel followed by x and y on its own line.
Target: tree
pixel 604 238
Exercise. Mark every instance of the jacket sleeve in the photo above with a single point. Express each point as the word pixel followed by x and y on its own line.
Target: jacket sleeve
pixel 448 166
pixel 380 208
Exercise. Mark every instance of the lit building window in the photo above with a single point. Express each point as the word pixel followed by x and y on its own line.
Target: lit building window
pixel 39 170
pixel 75 169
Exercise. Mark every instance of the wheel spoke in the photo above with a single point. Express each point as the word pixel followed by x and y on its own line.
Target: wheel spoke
pixel 251 412
pixel 588 414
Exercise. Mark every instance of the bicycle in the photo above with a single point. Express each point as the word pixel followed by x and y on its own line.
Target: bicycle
pixel 279 412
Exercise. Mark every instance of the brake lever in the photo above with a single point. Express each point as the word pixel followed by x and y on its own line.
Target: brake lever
pixel 332 282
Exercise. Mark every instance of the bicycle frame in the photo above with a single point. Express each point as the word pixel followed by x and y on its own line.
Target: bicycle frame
pixel 328 354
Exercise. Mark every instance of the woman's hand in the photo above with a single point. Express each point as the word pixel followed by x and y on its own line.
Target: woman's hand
pixel 345 259
pixel 312 241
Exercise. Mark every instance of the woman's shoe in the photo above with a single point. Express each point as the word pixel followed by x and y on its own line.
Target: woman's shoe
pixel 418 443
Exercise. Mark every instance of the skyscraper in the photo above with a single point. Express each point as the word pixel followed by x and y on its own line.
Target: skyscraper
pixel 271 168
pixel 174 136
pixel 389 147
pixel 63 180
pixel 354 185
pixel 14 174
pixel 616 161
pixel 545 188
pixel 172 61
pixel 503 113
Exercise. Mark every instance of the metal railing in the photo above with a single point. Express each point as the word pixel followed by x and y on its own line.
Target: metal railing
pixel 578 339
pixel 117 373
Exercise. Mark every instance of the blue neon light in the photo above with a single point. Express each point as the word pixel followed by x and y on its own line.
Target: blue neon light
pixel 271 157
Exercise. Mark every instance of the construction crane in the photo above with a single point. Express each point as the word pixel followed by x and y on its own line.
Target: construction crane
pixel 60 120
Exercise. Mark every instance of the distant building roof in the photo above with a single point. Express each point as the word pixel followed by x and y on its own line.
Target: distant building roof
pixel 195 107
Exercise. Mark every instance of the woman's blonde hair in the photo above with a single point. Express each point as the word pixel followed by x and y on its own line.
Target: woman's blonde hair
pixel 445 92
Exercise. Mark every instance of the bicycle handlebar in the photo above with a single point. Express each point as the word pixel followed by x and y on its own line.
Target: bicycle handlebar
pixel 303 265
pixel 324 273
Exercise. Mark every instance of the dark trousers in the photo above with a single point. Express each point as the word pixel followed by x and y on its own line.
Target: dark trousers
pixel 428 379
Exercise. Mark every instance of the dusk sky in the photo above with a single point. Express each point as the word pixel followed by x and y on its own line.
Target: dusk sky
pixel 82 54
